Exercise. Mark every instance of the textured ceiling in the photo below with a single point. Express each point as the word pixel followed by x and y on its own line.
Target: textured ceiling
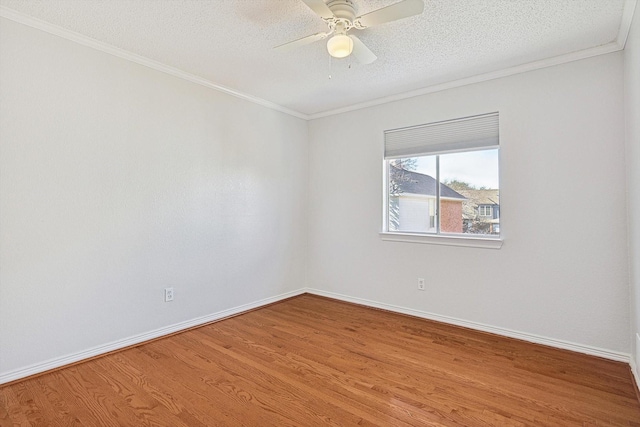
pixel 229 42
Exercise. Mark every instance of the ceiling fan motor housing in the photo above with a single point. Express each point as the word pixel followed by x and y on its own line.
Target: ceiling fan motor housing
pixel 342 9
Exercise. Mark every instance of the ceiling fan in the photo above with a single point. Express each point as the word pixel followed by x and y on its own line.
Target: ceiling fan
pixel 340 17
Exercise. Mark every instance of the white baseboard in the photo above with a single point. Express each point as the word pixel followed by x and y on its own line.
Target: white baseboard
pixel 552 342
pixel 157 333
pixel 634 361
pixel 57 362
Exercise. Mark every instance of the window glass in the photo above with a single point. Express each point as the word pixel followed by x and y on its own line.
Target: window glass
pixel 411 208
pixel 466 200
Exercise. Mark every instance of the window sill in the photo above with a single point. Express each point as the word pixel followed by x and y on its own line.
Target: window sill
pixel 471 242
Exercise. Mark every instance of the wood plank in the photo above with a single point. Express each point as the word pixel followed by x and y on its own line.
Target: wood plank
pixel 315 361
pixel 56 409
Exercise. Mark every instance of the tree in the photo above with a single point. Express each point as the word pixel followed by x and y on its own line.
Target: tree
pixel 398 175
pixel 472 223
pixel 409 164
pixel 457 184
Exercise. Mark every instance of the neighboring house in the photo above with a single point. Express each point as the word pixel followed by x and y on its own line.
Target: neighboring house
pixel 481 211
pixel 413 203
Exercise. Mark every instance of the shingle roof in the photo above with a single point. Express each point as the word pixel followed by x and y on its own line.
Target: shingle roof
pixel 482 197
pixel 417 183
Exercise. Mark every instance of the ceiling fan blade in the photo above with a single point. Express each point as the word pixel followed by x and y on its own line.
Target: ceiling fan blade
pixel 320 8
pixel 403 9
pixel 362 53
pixel 301 42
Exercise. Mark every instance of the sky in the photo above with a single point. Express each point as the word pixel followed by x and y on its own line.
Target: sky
pixel 478 168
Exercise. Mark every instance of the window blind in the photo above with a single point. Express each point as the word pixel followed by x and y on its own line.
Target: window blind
pixel 442 137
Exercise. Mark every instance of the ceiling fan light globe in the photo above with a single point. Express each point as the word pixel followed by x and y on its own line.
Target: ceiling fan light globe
pixel 340 46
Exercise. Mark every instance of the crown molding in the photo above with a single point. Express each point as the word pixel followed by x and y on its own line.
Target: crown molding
pixel 625 22
pixel 479 78
pixel 614 46
pixel 121 53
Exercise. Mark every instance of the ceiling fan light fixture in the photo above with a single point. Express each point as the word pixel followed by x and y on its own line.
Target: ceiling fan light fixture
pixel 340 46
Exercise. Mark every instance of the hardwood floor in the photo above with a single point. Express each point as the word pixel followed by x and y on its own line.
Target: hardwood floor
pixel 311 361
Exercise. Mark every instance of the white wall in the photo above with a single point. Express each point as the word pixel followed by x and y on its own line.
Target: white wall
pixel 632 115
pixel 117 181
pixel 562 271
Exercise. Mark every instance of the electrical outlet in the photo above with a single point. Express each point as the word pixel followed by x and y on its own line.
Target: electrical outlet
pixel 420 284
pixel 168 294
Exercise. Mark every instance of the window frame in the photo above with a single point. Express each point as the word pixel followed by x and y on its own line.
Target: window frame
pixel 438 238
pixel 484 208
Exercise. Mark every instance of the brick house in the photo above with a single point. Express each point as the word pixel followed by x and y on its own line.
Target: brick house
pixel 481 211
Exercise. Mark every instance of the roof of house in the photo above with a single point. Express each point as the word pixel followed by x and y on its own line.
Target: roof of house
pixel 418 183
pixel 482 197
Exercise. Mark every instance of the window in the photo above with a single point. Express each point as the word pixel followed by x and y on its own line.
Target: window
pixel 442 178
pixel 484 210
